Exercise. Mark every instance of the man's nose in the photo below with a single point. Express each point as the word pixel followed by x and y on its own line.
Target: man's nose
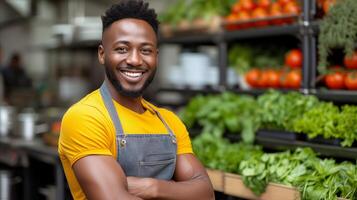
pixel 134 58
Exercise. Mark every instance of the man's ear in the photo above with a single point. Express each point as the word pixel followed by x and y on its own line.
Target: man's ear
pixel 157 56
pixel 101 54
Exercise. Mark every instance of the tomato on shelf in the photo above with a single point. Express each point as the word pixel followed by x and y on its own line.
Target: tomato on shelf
pixel 231 19
pixel 294 58
pixel 273 77
pixel 265 4
pixel 261 14
pixel 244 16
pixel 327 4
pixel 291 8
pixel 276 11
pixel 283 2
pixel 351 80
pixel 247 5
pixel 294 79
pixel 335 80
pixel 351 61
pixel 252 77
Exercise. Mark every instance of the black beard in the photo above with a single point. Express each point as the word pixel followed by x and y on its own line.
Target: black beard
pixel 127 93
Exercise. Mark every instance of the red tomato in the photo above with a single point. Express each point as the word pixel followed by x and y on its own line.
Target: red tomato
pixel 236 8
pixel 351 62
pixel 291 8
pixel 294 79
pixel 277 13
pixel 351 81
pixel 244 16
pixel 231 19
pixel 283 2
pixel 264 4
pixel 294 58
pixel 275 6
pixel 327 5
pixel 252 77
pixel 273 77
pixel 335 80
pixel 263 80
pixel 260 13
pixel 247 5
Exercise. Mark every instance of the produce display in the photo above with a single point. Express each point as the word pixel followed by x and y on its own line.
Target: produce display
pixel 251 13
pixel 265 66
pixel 293 112
pixel 314 177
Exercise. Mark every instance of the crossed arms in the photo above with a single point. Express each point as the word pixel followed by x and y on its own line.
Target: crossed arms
pixel 102 178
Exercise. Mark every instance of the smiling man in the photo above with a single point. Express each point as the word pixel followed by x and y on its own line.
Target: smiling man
pixel 116 145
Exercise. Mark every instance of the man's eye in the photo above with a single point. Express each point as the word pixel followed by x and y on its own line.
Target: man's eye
pixel 121 49
pixel 146 51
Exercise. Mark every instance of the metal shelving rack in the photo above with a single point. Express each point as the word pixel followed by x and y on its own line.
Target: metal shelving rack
pixel 306 29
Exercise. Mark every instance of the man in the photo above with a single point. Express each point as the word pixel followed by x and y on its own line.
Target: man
pixel 15 76
pixel 116 145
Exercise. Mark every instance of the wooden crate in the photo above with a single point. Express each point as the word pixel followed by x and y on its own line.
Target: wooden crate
pixel 233 185
pixel 216 177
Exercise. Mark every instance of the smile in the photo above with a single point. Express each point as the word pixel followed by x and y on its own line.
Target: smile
pixel 132 76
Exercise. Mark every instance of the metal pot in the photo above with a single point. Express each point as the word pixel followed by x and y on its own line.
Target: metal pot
pixel 5 185
pixel 28 127
pixel 7 182
pixel 6 120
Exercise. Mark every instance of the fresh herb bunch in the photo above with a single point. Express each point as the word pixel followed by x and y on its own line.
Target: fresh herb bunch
pixel 217 153
pixel 280 111
pixel 194 9
pixel 315 178
pixel 338 29
pixel 226 112
pixel 329 121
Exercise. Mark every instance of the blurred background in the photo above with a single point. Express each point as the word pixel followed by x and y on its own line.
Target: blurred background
pixel 264 87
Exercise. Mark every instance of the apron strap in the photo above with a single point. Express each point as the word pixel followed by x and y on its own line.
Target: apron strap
pixel 163 121
pixel 107 98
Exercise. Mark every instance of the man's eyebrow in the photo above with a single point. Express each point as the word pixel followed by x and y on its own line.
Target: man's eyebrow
pixel 127 42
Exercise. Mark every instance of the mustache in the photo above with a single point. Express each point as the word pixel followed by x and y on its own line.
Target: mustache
pixel 131 67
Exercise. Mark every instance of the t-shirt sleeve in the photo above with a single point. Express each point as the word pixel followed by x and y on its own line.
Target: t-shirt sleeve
pixel 84 131
pixel 181 133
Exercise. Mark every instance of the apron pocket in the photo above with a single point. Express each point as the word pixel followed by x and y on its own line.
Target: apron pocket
pixel 160 169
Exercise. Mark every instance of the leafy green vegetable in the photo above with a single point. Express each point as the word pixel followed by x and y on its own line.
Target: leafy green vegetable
pixel 195 9
pixel 279 111
pixel 227 112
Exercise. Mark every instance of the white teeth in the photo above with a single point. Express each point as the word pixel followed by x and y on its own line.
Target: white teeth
pixel 133 74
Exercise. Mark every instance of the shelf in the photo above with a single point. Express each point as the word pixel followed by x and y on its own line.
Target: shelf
pixel 339 96
pixel 190 91
pixel 193 38
pixel 256 92
pixel 323 149
pixel 79 45
pixel 292 29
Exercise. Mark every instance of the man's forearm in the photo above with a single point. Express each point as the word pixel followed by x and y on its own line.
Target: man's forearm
pixel 198 188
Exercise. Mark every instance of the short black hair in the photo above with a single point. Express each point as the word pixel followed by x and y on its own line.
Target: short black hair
pixel 137 9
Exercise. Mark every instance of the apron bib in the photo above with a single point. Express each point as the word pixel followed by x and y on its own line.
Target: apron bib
pixel 144 154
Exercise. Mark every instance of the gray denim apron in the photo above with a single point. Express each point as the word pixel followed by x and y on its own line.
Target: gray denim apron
pixel 142 155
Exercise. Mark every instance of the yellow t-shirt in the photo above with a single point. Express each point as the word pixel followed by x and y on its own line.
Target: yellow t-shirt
pixel 87 129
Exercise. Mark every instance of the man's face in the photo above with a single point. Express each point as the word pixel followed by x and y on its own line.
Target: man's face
pixel 129 53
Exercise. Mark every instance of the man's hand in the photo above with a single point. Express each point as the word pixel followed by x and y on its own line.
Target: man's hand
pixel 142 187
